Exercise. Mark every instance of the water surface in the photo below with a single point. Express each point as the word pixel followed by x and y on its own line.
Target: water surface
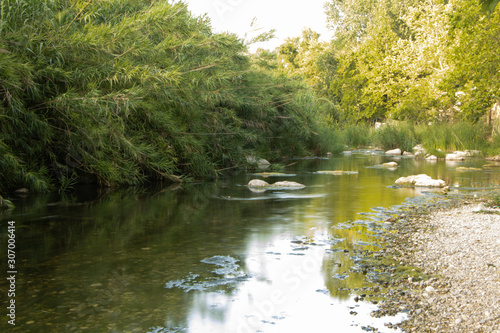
pixel 215 256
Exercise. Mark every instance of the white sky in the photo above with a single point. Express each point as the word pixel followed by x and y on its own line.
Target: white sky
pixel 288 17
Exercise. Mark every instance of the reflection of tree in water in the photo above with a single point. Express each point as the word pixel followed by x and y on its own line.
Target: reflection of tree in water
pixel 341 272
pixel 103 263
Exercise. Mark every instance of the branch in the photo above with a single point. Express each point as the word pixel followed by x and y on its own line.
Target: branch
pixel 74 19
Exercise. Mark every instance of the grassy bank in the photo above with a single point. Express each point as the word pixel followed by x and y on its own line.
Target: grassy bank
pixel 436 138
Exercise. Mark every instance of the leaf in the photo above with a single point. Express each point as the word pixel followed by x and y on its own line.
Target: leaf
pixel 488 5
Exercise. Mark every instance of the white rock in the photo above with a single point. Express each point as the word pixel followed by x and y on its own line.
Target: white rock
pixel 396 151
pixel 257 183
pixel 431 158
pixel 420 180
pixel 456 156
pixel 390 164
pixel 260 184
pixel 264 162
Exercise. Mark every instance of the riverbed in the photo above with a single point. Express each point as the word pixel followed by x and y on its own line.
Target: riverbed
pixel 216 256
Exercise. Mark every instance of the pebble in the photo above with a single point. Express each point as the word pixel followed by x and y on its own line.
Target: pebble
pixel 461 246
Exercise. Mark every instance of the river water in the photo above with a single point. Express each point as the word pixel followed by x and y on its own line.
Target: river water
pixel 215 256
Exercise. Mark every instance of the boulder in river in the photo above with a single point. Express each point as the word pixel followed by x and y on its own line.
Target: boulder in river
pixel 396 151
pixel 420 180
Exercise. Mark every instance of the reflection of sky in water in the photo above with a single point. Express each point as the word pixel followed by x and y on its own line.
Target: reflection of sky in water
pixel 286 294
pixel 291 285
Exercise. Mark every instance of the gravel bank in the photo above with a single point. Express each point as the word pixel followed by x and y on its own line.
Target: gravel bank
pixel 460 247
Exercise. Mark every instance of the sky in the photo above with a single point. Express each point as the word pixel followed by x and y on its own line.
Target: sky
pixel 288 17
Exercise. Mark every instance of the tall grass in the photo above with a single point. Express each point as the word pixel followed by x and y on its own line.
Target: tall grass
pixel 400 136
pixel 357 135
pixel 454 136
pixel 435 138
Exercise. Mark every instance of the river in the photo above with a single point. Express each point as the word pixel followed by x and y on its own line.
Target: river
pixel 215 256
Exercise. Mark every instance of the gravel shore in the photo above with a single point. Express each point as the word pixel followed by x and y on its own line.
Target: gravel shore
pixel 459 246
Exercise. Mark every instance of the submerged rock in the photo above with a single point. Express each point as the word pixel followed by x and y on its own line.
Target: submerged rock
pixel 288 184
pixel 468 169
pixel 274 174
pixel 336 172
pixel 494 158
pixel 420 180
pixel 263 185
pixel 390 164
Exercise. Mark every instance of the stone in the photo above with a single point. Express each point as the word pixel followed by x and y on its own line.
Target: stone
pixel 260 184
pixel 263 162
pixel 257 183
pixel 431 158
pixel 22 191
pixel 288 184
pixel 461 155
pixel 260 162
pixel 419 150
pixel 494 158
pixel 336 172
pixel 430 289
pixel 421 180
pixel 396 151
pixel 390 164
pixel 456 156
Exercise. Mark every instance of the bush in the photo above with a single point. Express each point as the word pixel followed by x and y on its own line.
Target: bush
pixel 357 135
pixel 400 136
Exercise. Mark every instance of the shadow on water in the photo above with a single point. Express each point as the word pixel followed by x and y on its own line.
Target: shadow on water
pixel 213 257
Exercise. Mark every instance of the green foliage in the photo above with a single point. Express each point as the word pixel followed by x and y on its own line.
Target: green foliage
pixel 357 135
pixel 411 60
pixel 400 136
pixel 124 92
pixel 495 200
pixel 5 204
pixel 489 5
pixel 453 136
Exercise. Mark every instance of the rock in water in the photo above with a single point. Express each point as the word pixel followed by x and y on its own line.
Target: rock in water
pixel 420 180
pixel 394 152
pixel 288 184
pixel 257 183
pixel 260 184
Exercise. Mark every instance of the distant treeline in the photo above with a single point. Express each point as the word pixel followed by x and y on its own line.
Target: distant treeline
pixel 412 60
